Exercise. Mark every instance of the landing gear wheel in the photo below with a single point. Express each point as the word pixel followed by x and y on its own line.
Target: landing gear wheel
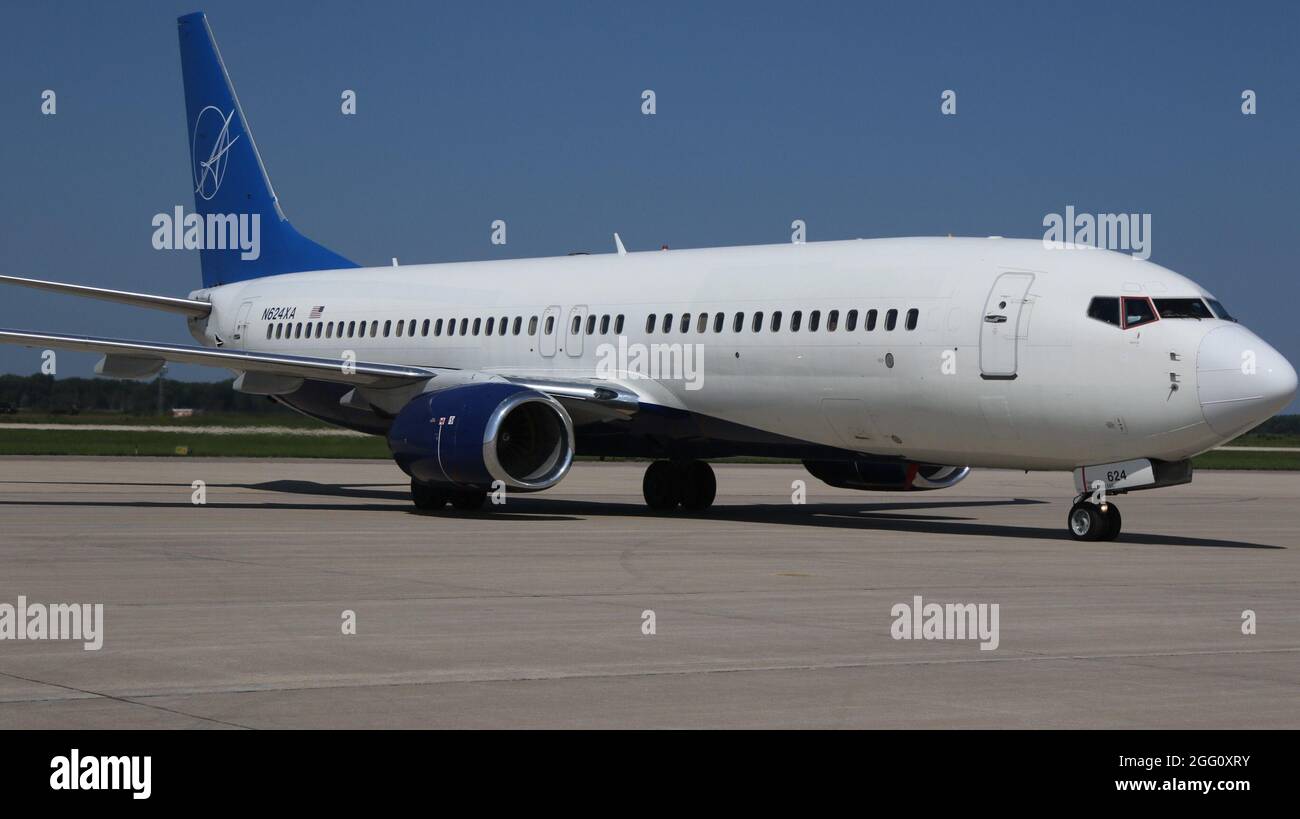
pixel 467 500
pixel 1086 521
pixel 699 486
pixel 1113 522
pixel 662 486
pixel 427 497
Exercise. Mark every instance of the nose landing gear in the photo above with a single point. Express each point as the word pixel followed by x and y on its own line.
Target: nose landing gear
pixel 1092 521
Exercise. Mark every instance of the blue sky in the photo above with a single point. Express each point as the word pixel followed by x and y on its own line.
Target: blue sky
pixel 767 112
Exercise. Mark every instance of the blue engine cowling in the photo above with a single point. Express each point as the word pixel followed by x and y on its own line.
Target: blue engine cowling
pixel 474 435
pixel 886 476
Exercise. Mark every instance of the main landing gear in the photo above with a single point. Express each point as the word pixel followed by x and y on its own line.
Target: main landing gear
pixel 688 484
pixel 433 499
pixel 1092 521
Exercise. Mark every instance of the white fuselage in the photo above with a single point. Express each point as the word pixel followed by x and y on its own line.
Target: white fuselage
pixel 1083 391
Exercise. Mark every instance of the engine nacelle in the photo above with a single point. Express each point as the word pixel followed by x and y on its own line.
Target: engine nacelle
pixel 886 476
pixel 474 435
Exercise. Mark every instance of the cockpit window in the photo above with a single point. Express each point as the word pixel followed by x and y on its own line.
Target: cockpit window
pixel 1105 308
pixel 1183 308
pixel 1217 307
pixel 1137 310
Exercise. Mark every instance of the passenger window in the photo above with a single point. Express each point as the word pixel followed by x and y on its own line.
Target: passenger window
pixel 618 325
pixel 796 318
pixel 437 327
pixel 501 326
pixel 891 320
pixel 464 326
pixel 1105 308
pixel 912 316
pixel 270 328
pixel 702 323
pixel 550 325
pixel 1182 308
pixel 591 324
pixel 814 320
pixel 718 321
pixel 685 323
pixel 668 322
pixel 519 322
pixel 1137 311
pixel 424 328
pixel 851 321
pixel 776 321
pixel 400 326
pixel 870 323
pixel 738 323
pixel 576 327
pixel 757 324
pixel 604 325
pixel 491 325
pixel 832 320
pixel 352 328
pixel 650 321
pixel 297 330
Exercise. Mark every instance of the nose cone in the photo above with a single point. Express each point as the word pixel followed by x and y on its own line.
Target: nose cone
pixel 1241 380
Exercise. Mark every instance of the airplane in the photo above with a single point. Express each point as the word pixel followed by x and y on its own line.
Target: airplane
pixel 883 365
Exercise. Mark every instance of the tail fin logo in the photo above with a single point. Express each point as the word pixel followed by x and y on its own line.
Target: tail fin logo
pixel 208 173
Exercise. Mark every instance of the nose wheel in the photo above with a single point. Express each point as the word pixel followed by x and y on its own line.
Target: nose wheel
pixel 1092 522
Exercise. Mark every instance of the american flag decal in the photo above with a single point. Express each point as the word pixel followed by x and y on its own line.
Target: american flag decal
pixel 316 311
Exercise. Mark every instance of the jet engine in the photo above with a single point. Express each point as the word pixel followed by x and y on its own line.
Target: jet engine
pixel 473 435
pixel 886 476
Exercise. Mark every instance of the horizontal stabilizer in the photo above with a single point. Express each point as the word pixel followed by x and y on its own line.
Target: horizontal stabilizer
pixel 171 304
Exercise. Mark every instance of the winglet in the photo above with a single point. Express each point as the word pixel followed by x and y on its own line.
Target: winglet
pixel 618 245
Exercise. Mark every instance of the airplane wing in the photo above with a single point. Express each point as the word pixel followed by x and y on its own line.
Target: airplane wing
pixel 132 359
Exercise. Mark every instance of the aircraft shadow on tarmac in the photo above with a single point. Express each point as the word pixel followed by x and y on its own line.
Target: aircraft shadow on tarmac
pixel 900 516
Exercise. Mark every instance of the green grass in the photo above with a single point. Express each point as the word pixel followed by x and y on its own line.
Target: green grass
pixel 202 445
pixel 1247 460
pixel 258 445
pixel 1265 439
pixel 242 419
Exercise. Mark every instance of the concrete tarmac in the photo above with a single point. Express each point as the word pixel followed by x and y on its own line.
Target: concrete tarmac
pixel 766 613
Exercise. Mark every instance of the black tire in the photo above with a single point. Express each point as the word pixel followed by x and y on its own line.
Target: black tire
pixel 662 486
pixel 1113 522
pixel 699 486
pixel 1085 522
pixel 426 497
pixel 467 500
